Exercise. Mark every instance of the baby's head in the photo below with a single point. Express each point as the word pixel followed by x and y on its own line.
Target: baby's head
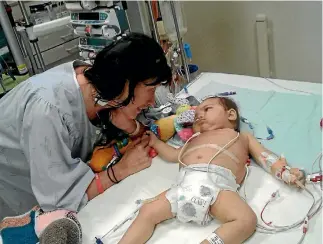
pixel 217 113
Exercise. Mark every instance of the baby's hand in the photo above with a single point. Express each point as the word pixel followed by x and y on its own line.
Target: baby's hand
pixel 151 137
pixel 290 176
pixel 297 175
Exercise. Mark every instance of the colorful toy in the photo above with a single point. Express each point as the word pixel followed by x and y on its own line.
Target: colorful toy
pixel 102 155
pixel 164 128
pixel 181 123
pixel 37 226
pixel 184 121
pixel 182 108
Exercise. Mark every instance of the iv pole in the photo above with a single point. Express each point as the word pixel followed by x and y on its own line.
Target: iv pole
pixel 180 42
pixel 32 38
pixel 154 31
pixel 12 41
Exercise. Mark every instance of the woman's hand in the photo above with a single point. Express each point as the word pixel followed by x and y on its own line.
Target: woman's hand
pixel 134 160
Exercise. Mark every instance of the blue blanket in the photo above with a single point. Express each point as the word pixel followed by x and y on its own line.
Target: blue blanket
pixel 294 119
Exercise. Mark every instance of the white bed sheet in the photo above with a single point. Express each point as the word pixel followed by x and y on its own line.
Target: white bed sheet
pixel 107 210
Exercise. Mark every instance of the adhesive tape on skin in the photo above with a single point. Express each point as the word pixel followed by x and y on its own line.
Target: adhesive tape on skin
pixel 286 176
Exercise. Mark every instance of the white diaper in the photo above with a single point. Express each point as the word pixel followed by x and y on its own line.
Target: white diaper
pixel 196 190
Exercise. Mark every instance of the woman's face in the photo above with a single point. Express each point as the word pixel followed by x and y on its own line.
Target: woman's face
pixel 144 96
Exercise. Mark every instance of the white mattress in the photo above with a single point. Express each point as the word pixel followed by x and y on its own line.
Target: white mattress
pixel 107 210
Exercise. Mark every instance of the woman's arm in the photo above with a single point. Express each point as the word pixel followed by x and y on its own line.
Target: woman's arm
pixel 135 159
pixel 57 179
pixel 93 190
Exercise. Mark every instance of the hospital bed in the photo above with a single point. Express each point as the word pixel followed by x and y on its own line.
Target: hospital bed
pixel 110 208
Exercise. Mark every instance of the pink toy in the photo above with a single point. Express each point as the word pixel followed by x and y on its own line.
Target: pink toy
pixel 183 124
pixel 185 133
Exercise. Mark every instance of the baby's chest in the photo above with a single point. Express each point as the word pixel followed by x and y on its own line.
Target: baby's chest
pixel 198 154
pixel 211 151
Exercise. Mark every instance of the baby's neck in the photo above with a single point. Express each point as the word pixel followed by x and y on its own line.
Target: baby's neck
pixel 217 129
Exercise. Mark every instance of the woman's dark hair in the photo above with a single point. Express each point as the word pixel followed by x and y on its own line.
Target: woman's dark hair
pixel 134 58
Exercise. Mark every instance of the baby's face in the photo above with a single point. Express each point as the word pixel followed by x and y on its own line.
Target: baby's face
pixel 210 115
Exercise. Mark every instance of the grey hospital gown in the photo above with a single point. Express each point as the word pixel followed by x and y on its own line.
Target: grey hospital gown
pixel 45 140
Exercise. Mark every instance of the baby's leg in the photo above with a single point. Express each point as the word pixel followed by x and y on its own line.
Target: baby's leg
pixel 149 216
pixel 239 220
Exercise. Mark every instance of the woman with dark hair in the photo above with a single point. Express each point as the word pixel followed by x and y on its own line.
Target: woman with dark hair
pixel 51 122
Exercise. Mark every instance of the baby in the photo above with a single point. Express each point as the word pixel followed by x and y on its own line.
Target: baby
pixel 213 165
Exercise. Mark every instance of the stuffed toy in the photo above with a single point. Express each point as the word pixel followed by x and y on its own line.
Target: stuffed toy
pixel 164 129
pixel 102 155
pixel 36 226
pixel 184 121
pixel 181 123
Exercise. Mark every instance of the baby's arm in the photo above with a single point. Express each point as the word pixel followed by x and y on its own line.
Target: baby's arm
pixel 271 163
pixel 165 151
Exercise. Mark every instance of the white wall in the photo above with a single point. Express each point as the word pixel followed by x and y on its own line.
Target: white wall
pixel 222 37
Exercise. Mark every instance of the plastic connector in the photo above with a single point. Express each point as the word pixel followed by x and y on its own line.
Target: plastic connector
pixel 98 241
pixel 314 178
pixel 274 195
pixel 270 131
pixel 305 225
pixel 317 178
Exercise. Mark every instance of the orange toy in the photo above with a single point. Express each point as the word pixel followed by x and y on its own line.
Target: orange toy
pixel 164 128
pixel 103 155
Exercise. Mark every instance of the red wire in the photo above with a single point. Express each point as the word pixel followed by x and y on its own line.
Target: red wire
pixel 261 214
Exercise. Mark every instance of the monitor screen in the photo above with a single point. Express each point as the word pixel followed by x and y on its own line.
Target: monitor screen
pixel 89 16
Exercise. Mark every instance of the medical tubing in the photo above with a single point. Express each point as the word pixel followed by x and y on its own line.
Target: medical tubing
pixel 276 229
pixel 314 209
pixel 291 226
